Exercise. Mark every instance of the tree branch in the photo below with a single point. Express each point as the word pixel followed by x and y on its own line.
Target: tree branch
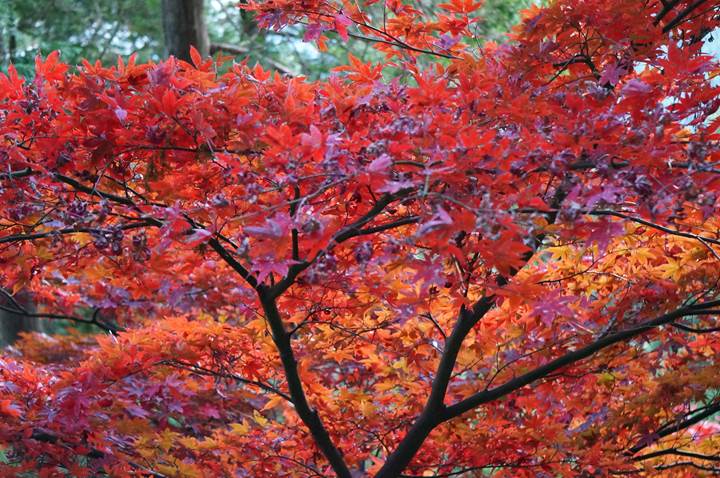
pixel 208 372
pixel 244 51
pixel 677 425
pixel 434 410
pixel 678 452
pixel 230 260
pixel 18 309
pixel 348 232
pixel 667 8
pixel 682 15
pixel 570 358
pixel 72 230
pixel 47 437
pixel 432 413
pixel 695 330
pixel 307 414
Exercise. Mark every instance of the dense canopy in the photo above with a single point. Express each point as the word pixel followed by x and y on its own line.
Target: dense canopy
pixel 465 261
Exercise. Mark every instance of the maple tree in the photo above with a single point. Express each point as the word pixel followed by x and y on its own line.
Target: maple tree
pixel 504 263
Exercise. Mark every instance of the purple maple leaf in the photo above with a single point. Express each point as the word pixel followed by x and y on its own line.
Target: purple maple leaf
pixel 636 87
pixel 441 218
pixel 381 163
pixel 277 226
pixel 313 32
pixel 611 74
pixel 551 307
pixel 269 265
pixel 603 232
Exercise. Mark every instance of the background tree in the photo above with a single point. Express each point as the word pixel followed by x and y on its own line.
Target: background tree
pixel 103 29
pixel 16 317
pixel 464 260
pixel 184 26
pixel 99 29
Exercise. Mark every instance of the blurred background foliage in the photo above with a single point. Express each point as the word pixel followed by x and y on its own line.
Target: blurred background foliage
pixel 93 29
pixel 104 29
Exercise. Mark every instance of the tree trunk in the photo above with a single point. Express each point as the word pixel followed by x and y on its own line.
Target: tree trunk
pixel 8 41
pixel 12 324
pixel 183 26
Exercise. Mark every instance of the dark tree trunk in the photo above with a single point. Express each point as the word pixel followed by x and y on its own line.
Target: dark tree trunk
pixel 184 25
pixel 2 46
pixel 8 41
pixel 11 325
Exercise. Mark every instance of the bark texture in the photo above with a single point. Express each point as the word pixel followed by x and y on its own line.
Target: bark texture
pixel 184 25
pixel 11 324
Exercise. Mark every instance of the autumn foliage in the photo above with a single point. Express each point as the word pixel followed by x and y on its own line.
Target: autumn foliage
pixel 467 261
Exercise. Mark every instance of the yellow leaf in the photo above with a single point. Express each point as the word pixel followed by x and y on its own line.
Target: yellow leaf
pixel 167 470
pixel 166 440
pixel 240 428
pixel 400 364
pixel 671 270
pixel 339 355
pixel 259 419
pixel 272 403
pixel 189 443
pixel 384 386
pixel 607 379
pixel 367 408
